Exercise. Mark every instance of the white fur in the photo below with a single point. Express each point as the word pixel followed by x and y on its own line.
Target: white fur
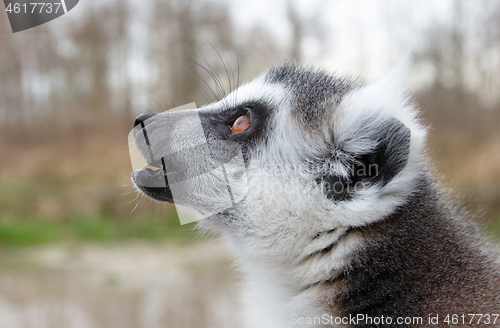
pixel 256 89
pixel 286 219
pixel 274 237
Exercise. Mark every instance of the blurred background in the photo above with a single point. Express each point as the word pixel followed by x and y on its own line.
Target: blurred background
pixel 80 248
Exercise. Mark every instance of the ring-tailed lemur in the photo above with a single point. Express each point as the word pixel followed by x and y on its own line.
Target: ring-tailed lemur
pixel 342 222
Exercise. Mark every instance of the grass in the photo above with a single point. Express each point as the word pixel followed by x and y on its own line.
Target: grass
pixel 36 231
pixel 494 227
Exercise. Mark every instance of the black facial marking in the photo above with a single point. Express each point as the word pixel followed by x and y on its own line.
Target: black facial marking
pixel 392 153
pixel 335 187
pixel 379 166
pixel 217 126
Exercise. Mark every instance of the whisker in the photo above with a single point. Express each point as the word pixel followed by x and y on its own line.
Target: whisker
pixel 165 103
pixel 159 105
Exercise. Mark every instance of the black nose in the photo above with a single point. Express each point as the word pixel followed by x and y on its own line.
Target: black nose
pixel 141 119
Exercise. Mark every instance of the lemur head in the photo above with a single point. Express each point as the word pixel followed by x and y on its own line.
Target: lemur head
pixel 322 155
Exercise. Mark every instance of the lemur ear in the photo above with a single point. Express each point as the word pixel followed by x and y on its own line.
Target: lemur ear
pixel 372 130
pixel 388 158
pixel 377 166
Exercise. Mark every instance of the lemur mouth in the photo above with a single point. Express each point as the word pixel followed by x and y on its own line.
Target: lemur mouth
pixel 151 179
pixel 153 183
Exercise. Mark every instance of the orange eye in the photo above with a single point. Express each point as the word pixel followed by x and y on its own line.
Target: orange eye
pixel 241 124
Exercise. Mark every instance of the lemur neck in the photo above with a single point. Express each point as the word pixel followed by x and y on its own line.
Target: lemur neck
pixel 418 255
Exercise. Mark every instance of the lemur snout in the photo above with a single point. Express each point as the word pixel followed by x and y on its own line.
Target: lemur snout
pixel 142 118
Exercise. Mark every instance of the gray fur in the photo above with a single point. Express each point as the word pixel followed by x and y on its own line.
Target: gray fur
pixel 397 247
pixel 426 258
pixel 314 91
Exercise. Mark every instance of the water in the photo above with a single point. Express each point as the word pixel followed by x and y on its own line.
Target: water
pixel 122 286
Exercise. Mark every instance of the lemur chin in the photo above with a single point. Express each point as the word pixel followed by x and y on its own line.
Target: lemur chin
pixel 341 216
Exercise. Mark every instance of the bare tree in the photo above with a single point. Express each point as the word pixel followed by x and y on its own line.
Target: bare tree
pixel 297 26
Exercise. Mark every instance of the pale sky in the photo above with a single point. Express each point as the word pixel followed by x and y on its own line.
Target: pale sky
pixel 363 37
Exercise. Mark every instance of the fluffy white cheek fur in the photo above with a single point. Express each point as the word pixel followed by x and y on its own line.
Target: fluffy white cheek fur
pixel 284 214
pixel 277 237
pixel 275 230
